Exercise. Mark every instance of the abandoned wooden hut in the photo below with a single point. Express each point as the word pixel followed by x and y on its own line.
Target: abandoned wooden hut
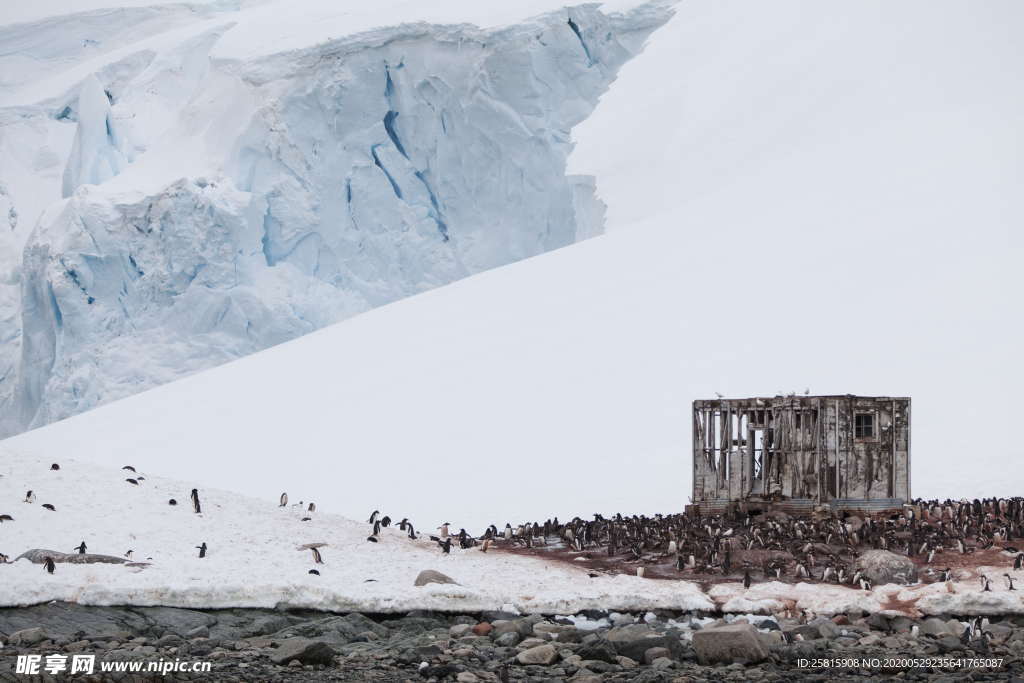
pixel 799 452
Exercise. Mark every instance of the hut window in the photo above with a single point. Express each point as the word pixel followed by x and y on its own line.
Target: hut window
pixel 864 426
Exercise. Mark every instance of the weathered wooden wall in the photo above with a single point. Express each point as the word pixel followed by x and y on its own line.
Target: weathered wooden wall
pixel 801 448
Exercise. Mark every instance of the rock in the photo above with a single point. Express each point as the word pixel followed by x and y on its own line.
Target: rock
pixel 39 555
pixel 935 628
pixel 507 639
pixel 459 630
pixel 841 620
pixel 266 625
pixel 303 650
pixel 634 640
pixel 878 622
pixel 198 632
pixel 901 624
pixel 597 666
pixel 431 576
pixel 599 649
pixel 527 643
pixel 482 629
pixel 626 662
pixel 28 636
pixel 662 664
pixel 727 644
pixel 870 639
pixel 806 631
pixel 542 654
pixel 467 677
pixel 654 653
pixel 882 567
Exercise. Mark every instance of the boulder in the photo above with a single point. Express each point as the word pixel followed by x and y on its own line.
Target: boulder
pixel 882 567
pixel 303 650
pixel 39 555
pixel 507 639
pixel 634 640
pixel 482 629
pixel 542 654
pixel 654 653
pixel 28 636
pixel 431 576
pixel 936 628
pixel 599 649
pixel 728 644
pixel 460 630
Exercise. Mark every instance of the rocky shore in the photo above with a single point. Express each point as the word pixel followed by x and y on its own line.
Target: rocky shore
pixel 278 645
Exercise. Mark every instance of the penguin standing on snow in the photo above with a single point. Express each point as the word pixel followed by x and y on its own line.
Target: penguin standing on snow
pixel 317 559
pixel 986 584
pixel 202 548
pixel 373 517
pixel 81 548
pixel 746 579
pixel 30 496
pixel 1009 580
pixel 947 574
pixel 446 546
pixel 508 531
pixel 311 508
pixel 284 500
pixel 48 564
pixel 195 502
pixel 1018 561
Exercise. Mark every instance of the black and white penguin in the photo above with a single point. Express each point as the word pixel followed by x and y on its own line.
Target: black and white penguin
pixel 317 558
pixel 129 468
pixel 985 584
pixel 196 507
pixel 372 538
pixel 48 564
pixel 947 574
pixel 172 502
pixel 373 517
pixel 54 467
pixel 1009 581
pixel 81 548
pixel 486 544
pixel 385 521
pixel 6 518
pixel 508 531
pixel 314 572
pixel 311 508
pixel 202 548
pixel 746 579
pixel 401 525
pixel 1018 562
pixel 128 553
pixel 49 507
pixel 284 500
pixel 444 530
pixel 446 546
pixel 376 528
pixel 3 558
pixel 412 531
pixel 30 497
pixel 133 482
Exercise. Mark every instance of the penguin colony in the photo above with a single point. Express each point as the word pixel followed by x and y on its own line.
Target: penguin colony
pixel 743 547
pixel 776 546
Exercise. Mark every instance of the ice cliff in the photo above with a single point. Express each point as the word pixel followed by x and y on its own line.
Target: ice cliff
pixel 219 201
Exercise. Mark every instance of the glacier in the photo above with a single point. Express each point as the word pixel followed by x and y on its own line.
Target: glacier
pixel 224 193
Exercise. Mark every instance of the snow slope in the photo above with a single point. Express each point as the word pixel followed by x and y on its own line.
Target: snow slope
pixel 96 505
pixel 237 175
pixel 785 235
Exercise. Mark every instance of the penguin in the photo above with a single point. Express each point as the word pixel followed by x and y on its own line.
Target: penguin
pixel 828 574
pixel 48 564
pixel 985 583
pixel 446 546
pixel 317 558
pixel 129 468
pixel 311 508
pixel 195 501
pixel 640 571
pixel 947 574
pixel 931 555
pixel 412 531
pixel 54 467
pixel 172 502
pixel 1018 561
pixel 30 496
pixel 306 519
pixel 202 548
pixel 49 507
pixel 385 521
pixel 128 553
pixel 486 544
pixel 508 532
pixel 746 579
pixel 372 538
pixel 373 517
pixel 314 572
pixel 284 500
pixel 6 518
pixel 1009 580
pixel 403 523
pixel 444 530
pixel 3 559
pixel 81 548
pixel 865 584
pixel 133 482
